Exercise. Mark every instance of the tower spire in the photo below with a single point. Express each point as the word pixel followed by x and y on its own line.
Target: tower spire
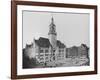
pixel 52 33
pixel 52 27
pixel 52 19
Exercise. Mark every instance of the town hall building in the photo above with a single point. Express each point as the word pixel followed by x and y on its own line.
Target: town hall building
pixel 51 52
pixel 47 49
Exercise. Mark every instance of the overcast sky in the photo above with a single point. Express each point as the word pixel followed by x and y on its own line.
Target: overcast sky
pixel 72 28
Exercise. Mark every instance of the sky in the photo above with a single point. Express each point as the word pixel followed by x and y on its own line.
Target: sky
pixel 72 28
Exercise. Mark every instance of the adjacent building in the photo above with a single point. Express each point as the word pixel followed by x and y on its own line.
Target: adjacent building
pixel 77 51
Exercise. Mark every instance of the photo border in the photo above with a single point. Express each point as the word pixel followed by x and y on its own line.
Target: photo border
pixel 14 38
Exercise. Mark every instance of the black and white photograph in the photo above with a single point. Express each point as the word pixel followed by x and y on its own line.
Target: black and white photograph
pixel 55 39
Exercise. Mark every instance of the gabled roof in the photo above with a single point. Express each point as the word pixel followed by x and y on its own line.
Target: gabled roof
pixel 60 44
pixel 44 42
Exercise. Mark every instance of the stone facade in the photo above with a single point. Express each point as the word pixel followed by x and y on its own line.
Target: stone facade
pixel 77 51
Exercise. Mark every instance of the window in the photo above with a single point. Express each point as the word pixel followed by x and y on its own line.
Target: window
pixel 41 58
pixel 59 50
pixel 41 55
pixel 62 50
pixel 46 51
pixel 46 54
pixel 46 58
pixel 41 51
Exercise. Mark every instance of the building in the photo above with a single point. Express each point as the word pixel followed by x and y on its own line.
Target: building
pixel 77 51
pixel 50 50
pixel 47 49
pixel 72 51
pixel 83 50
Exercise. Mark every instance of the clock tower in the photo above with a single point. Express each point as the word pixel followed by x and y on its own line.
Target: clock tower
pixel 52 34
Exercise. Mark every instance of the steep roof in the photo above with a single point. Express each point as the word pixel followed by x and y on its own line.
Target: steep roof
pixel 60 44
pixel 44 42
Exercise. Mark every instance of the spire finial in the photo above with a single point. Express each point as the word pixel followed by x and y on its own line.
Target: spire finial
pixel 52 29
pixel 52 20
